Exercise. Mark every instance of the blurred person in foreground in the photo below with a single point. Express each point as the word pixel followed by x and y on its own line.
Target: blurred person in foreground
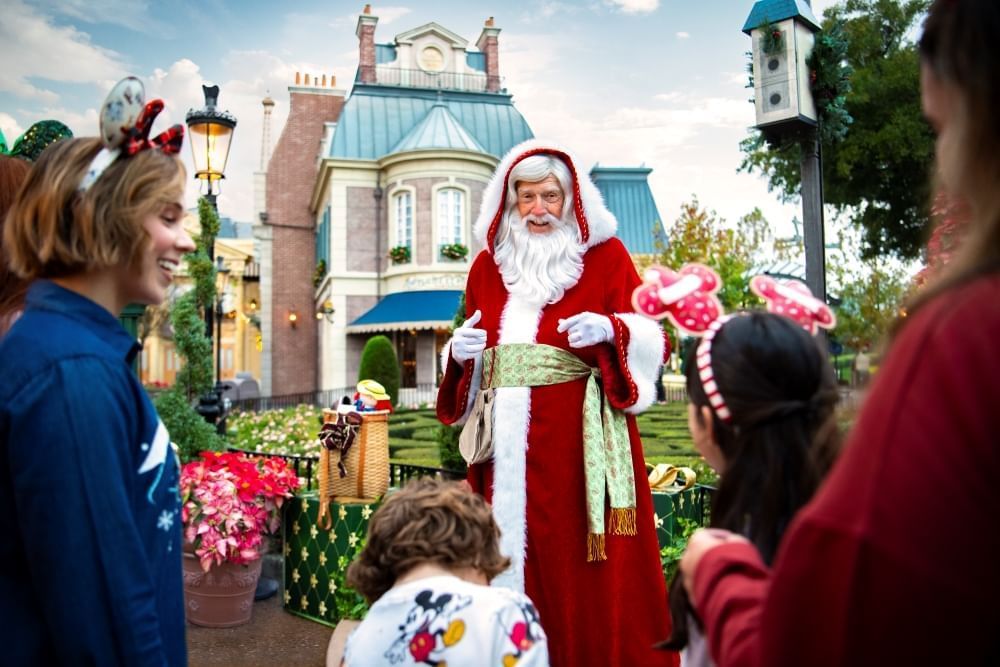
pixel 90 560
pixel 894 561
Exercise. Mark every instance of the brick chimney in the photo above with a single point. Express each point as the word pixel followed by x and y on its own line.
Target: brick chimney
pixel 287 265
pixel 487 43
pixel 366 44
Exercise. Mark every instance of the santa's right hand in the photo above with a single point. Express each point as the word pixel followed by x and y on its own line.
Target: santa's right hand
pixel 468 342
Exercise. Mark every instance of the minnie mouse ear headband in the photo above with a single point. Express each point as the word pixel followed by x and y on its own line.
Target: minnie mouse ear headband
pixel 688 299
pixel 39 136
pixel 126 120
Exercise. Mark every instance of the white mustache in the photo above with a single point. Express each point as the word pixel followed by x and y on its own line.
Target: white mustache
pixel 545 217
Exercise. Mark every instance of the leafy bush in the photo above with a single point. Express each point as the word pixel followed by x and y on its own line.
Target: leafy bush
pixel 447 437
pixel 670 555
pixel 379 363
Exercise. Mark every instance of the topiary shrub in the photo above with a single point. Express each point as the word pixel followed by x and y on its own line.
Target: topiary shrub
pixel 379 363
pixel 188 430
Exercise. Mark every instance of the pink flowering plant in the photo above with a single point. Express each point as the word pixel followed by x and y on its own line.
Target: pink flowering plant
pixel 229 501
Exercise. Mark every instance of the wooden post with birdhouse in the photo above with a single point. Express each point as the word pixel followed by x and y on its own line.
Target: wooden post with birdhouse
pixel 782 33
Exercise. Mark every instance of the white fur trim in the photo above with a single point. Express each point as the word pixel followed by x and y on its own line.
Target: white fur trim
pixel 476 382
pixel 644 357
pixel 601 221
pixel 511 416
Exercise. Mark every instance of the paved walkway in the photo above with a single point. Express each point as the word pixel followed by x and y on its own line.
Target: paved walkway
pixel 272 638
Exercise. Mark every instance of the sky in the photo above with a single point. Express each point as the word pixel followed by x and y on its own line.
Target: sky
pixel 620 82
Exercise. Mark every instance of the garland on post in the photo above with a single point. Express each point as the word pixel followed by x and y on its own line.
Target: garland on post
pixel 772 40
pixel 830 83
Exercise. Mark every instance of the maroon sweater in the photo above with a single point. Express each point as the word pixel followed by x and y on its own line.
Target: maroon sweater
pixel 896 561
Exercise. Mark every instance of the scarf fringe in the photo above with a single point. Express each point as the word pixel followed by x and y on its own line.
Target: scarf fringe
pixel 623 521
pixel 595 547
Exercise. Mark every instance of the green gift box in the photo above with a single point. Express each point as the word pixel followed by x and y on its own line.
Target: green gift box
pixel 316 559
pixel 691 504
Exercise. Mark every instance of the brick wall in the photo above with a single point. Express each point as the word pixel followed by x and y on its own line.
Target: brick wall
pixel 291 174
pixel 361 251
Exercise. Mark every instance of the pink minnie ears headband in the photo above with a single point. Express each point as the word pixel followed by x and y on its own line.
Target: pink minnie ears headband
pixel 688 298
pixel 126 120
pixel 794 300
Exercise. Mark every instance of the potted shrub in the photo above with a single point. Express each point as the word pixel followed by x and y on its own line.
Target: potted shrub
pixel 400 254
pixel 454 251
pixel 229 502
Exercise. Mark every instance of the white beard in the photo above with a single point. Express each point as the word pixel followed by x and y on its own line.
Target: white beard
pixel 539 267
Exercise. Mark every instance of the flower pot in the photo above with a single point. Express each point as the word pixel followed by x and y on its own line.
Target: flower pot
pixel 221 597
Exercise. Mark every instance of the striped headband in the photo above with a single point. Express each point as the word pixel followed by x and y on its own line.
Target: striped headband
pixel 703 361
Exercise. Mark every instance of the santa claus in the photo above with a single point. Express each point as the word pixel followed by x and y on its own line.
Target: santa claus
pixel 550 331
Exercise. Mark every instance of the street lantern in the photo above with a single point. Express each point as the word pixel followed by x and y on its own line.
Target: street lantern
pixel 210 132
pixel 782 35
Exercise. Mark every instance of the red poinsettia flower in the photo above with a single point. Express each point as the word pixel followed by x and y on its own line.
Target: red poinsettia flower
pixel 228 501
pixel 421 646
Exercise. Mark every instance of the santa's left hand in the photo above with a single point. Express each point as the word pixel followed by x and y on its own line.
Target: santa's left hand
pixel 587 329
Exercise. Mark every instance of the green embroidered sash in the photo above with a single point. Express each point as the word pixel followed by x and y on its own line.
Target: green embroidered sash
pixel 607 454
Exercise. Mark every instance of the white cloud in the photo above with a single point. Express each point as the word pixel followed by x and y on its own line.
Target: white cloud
pixel 10 127
pixel 387 15
pixel 35 48
pixel 635 6
pixel 682 35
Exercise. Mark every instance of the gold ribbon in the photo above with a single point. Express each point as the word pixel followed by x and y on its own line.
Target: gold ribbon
pixel 607 452
pixel 663 477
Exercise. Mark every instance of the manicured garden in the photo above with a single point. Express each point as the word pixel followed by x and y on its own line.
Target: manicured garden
pixel 414 434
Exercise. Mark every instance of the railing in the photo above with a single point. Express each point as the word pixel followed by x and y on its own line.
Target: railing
pixel 399 473
pixel 418 396
pixel 418 78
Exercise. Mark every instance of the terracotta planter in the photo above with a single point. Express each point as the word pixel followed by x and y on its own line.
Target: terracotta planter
pixel 221 597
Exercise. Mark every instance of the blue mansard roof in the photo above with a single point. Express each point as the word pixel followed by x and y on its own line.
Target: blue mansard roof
pixel 375 119
pixel 627 195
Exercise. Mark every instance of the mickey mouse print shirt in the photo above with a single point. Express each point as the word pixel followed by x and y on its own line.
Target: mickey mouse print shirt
pixel 444 620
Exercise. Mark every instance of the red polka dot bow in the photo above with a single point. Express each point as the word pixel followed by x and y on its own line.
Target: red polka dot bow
pixel 793 299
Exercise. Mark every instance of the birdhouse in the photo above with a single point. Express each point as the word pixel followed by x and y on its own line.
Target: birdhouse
pixel 782 34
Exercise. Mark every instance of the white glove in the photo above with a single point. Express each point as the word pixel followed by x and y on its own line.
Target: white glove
pixel 468 342
pixel 586 329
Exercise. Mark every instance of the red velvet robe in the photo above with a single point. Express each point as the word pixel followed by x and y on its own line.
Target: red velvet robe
pixel 605 613
pixel 895 560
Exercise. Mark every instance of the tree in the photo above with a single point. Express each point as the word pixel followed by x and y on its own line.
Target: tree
pixel 187 428
pixel 379 363
pixel 879 172
pixel 871 293
pixel 699 235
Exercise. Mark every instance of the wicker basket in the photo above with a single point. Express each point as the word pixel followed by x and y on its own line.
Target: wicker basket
pixel 366 462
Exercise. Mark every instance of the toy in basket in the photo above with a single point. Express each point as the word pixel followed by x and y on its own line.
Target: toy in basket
pixel 354 458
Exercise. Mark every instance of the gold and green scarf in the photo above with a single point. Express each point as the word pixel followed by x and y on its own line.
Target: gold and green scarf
pixel 607 454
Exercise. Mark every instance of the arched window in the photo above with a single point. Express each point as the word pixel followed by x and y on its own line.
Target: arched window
pixel 403 208
pixel 451 216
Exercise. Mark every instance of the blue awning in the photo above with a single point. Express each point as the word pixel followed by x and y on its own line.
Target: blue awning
pixel 429 309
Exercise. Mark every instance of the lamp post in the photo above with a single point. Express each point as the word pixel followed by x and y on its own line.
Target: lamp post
pixel 211 132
